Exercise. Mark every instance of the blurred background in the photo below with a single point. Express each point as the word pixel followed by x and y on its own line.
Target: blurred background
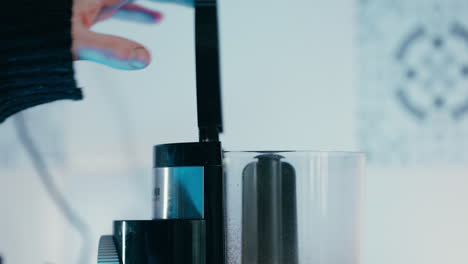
pixel 386 77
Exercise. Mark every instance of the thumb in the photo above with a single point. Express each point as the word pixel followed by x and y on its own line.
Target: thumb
pixel 113 51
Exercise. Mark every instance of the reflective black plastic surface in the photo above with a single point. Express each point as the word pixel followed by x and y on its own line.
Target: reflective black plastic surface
pixel 160 241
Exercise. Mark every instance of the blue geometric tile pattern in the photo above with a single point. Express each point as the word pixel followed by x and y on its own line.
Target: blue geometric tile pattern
pixel 413 90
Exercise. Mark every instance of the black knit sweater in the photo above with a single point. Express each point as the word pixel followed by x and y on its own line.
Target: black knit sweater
pixel 36 64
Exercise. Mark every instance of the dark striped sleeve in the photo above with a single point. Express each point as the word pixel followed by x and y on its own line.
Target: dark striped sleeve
pixel 36 64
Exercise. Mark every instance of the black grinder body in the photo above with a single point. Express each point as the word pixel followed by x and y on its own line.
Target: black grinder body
pixel 188 210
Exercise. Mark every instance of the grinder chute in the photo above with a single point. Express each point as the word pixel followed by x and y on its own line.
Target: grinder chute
pixel 269 217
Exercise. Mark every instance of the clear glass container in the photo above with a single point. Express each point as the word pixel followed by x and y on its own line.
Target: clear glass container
pixel 294 207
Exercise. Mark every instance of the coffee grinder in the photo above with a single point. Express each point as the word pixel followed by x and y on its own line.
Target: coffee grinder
pixel 251 207
pixel 187 225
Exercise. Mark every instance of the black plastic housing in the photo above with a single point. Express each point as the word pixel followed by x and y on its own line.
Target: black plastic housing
pixel 209 156
pixel 160 241
pixel 188 154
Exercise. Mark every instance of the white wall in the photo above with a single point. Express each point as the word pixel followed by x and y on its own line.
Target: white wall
pixel 289 82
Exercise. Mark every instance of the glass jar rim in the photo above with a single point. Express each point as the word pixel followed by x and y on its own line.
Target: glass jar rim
pixel 314 152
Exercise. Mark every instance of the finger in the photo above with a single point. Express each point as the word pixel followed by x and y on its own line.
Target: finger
pixel 189 3
pixel 115 3
pixel 134 13
pixel 137 13
pixel 116 52
pixel 110 7
pixel 86 12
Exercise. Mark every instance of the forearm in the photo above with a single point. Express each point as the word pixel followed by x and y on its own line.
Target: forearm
pixel 36 63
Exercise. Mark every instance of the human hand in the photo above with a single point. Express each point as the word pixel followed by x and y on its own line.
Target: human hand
pixel 111 50
pixel 179 2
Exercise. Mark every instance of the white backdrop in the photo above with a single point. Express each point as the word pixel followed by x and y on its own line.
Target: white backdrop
pixel 289 82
